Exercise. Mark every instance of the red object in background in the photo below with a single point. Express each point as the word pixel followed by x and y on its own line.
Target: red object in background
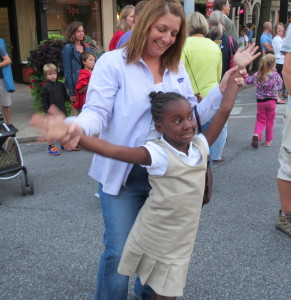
pixel 209 7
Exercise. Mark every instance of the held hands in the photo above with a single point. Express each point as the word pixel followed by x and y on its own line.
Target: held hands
pixel 53 127
pixel 241 59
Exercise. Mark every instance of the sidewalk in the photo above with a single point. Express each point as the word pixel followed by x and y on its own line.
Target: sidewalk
pixel 21 111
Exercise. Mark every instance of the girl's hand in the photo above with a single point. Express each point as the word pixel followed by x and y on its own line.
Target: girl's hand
pixel 244 57
pixel 73 99
pixel 53 127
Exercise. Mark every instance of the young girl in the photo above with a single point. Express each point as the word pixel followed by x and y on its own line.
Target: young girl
pixel 161 241
pixel 88 61
pixel 243 40
pixel 268 82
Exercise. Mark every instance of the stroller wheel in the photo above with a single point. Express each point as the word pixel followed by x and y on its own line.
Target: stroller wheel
pixel 29 188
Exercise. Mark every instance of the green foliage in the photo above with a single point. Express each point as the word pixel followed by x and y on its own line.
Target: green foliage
pixel 48 51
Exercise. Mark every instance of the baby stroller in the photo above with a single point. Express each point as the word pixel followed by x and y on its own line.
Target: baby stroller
pixel 11 162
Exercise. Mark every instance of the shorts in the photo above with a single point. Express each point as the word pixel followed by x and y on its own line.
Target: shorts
pixel 284 171
pixel 5 98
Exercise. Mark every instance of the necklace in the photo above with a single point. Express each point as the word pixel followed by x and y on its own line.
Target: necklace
pixel 79 48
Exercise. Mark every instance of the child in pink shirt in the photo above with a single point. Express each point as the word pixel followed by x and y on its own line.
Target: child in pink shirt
pixel 268 82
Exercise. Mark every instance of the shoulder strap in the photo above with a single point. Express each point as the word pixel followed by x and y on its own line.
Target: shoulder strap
pixel 191 70
pixel 197 119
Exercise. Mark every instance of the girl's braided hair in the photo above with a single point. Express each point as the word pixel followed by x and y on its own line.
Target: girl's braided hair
pixel 159 101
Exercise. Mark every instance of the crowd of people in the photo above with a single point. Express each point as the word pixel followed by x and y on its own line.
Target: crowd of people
pixel 134 110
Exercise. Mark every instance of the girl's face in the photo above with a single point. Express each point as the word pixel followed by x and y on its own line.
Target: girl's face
pixel 177 124
pixel 89 63
pixel 280 30
pixel 162 35
pixel 129 19
pixel 79 34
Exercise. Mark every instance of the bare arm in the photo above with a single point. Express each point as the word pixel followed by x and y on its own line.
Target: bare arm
pixel 83 90
pixel 229 96
pixel 287 72
pixel 6 61
pixel 230 86
pixel 269 47
pixel 138 155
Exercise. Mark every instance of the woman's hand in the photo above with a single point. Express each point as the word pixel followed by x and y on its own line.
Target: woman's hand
pixel 53 127
pixel 244 57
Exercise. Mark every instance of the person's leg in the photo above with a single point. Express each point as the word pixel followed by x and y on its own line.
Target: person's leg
pixel 158 297
pixel 284 177
pixel 5 102
pixel 7 114
pixel 261 119
pixel 119 213
pixel 217 147
pixel 271 114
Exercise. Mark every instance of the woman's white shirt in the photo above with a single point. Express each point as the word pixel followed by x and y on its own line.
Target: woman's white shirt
pixel 118 107
pixel 159 156
pixel 277 43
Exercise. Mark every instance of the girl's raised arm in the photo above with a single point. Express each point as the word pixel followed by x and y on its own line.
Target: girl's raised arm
pixel 231 86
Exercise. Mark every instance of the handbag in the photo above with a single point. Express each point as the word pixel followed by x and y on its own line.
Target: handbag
pixel 232 52
pixel 197 95
pixel 208 174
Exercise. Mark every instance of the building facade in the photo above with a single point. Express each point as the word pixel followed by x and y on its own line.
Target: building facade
pixel 24 23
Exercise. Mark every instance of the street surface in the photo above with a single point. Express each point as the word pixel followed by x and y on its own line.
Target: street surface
pixel 50 242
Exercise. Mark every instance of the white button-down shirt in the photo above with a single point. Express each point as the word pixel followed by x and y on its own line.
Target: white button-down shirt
pixel 118 107
pixel 159 156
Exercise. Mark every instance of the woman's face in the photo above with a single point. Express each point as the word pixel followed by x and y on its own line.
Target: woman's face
pixel 162 35
pixel 280 30
pixel 129 19
pixel 79 34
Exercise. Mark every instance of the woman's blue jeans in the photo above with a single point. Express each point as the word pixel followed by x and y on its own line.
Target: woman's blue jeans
pixel 119 214
pixel 217 147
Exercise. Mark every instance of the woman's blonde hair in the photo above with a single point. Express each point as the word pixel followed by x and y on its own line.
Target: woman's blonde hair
pixel 216 23
pixel 122 25
pixel 266 65
pixel 150 14
pixel 276 27
pixel 197 24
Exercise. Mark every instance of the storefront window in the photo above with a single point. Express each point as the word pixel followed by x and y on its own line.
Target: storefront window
pixel 62 12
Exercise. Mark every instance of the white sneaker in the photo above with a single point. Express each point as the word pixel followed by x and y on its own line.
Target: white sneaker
pixel 97 195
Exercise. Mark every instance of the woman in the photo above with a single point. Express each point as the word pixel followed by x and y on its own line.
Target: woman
pixel 216 23
pixel 125 23
pixel 71 58
pixel 118 107
pixel 277 43
pixel 201 56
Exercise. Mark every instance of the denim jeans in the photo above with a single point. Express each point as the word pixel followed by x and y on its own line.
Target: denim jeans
pixel 119 214
pixel 217 147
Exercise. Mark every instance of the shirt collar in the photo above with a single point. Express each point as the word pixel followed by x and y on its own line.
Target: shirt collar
pixel 177 152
